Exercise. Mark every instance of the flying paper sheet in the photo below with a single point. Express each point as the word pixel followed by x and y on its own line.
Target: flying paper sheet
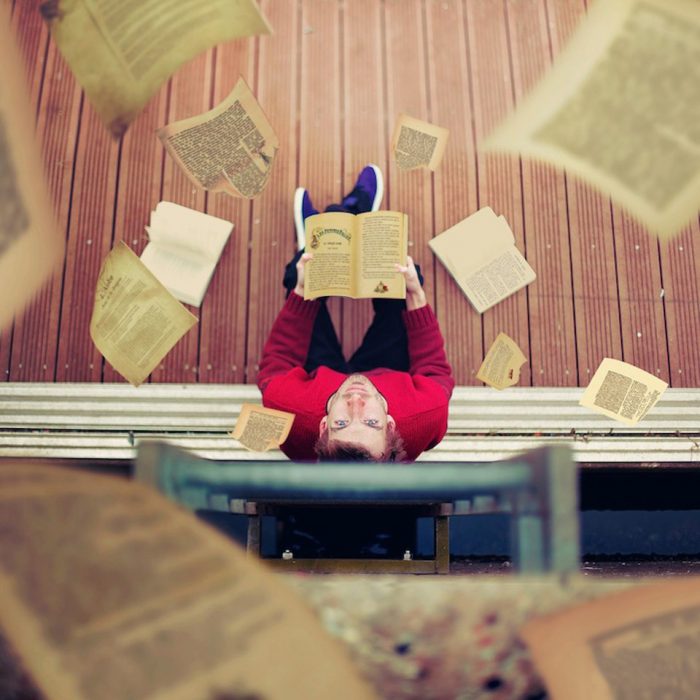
pixel 30 245
pixel 621 109
pixel 622 391
pixel 135 321
pixel 416 143
pixel 641 643
pixel 122 52
pixel 501 366
pixel 260 429
pixel 110 592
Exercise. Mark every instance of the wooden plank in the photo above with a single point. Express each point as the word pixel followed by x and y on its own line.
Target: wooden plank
pixel 680 264
pixel 364 139
pixel 499 183
pixel 641 304
pixel 596 304
pixel 407 91
pixel 138 188
pixel 190 94
pixel 318 129
pixel 550 298
pixel 272 231
pixel 89 236
pixel 36 331
pixel 225 307
pixel 455 181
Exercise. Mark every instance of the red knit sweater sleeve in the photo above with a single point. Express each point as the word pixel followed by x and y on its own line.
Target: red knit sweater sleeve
pixel 426 348
pixel 288 343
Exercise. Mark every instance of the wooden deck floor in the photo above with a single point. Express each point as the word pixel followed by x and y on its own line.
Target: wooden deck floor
pixel 332 80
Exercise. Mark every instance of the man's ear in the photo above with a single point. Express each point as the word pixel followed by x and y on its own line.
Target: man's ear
pixel 390 422
pixel 323 425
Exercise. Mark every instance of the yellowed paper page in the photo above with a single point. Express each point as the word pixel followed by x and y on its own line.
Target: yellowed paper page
pixel 641 643
pixel 383 242
pixel 30 245
pixel 110 592
pixel 231 148
pixel 329 237
pixel 501 366
pixel 620 109
pixel 480 253
pixel 122 52
pixel 622 391
pixel 416 143
pixel 135 320
pixel 260 429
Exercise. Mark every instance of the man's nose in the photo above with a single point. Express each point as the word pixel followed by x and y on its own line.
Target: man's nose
pixel 356 400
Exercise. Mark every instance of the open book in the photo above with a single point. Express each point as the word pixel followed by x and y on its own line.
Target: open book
pixel 480 253
pixel 230 148
pixel 184 247
pixel 122 52
pixel 354 256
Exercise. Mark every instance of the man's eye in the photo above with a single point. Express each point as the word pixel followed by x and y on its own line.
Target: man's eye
pixel 340 423
pixel 373 422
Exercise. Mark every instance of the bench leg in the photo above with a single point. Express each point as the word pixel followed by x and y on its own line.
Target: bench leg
pixel 442 544
pixel 527 542
pixel 253 536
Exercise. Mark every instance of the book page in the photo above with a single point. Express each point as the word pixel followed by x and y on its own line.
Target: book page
pixel 329 237
pixel 229 148
pixel 641 643
pixel 122 52
pixel 473 242
pixel 622 391
pixel 497 280
pixel 416 143
pixel 260 429
pixel 382 238
pixel 501 366
pixel 189 229
pixel 135 320
pixel 619 108
pixel 184 274
pixel 110 592
pixel 31 247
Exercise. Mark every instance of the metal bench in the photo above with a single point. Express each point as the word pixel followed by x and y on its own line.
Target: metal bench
pixel 537 489
pixel 107 422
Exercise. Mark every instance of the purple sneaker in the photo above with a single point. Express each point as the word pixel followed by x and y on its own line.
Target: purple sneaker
pixel 302 209
pixel 368 191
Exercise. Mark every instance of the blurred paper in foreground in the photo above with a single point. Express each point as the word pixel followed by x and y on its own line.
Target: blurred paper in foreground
pixel 30 245
pixel 621 109
pixel 110 592
pixel 122 52
pixel 643 643
pixel 135 320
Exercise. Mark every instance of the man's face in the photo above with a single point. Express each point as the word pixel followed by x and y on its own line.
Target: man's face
pixel 357 413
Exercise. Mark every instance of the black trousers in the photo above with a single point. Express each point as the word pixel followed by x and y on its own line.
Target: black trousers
pixel 385 343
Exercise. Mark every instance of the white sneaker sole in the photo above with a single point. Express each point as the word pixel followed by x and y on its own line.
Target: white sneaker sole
pixel 379 194
pixel 298 218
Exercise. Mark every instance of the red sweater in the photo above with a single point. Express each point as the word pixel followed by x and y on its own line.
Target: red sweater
pixel 417 399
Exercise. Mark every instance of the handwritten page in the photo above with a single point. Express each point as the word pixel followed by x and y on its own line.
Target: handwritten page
pixel 416 143
pixel 30 245
pixel 622 391
pixel 122 52
pixel 501 366
pixel 260 429
pixel 110 592
pixel 619 108
pixel 231 148
pixel 641 643
pixel 135 321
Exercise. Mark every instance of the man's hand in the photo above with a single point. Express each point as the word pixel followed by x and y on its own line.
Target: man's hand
pixel 415 296
pixel 301 263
